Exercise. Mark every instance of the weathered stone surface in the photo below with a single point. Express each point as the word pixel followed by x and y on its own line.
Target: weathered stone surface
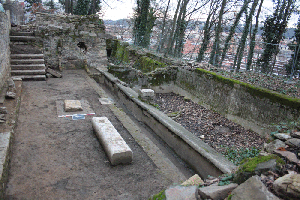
pixel 3 110
pixel 283 136
pixel 251 189
pixel 295 134
pixel 72 105
pixel 10 95
pixel 294 142
pixel 266 166
pixel 274 145
pixel 146 93
pixel 288 186
pixel 216 192
pixel 194 180
pixel 54 73
pixel 4 52
pixel 290 156
pixel 181 192
pixel 117 150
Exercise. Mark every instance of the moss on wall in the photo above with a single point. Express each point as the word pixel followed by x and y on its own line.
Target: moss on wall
pixel 262 93
pixel 146 64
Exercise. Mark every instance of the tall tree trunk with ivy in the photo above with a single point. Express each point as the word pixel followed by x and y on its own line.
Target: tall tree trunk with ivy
pixel 207 31
pixel 143 23
pixel 232 30
pixel 162 38
pixel 294 63
pixel 252 41
pixel 214 55
pixel 180 30
pixel 170 45
pixel 273 30
pixel 245 34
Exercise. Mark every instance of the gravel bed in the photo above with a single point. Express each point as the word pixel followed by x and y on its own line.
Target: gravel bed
pixel 214 129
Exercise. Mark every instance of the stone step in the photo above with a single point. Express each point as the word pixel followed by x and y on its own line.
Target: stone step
pixel 26 61
pixel 22 38
pixel 13 33
pixel 117 151
pixel 30 77
pixel 28 72
pixel 27 56
pixel 28 67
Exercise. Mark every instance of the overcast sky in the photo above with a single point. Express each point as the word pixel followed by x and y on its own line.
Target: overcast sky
pixel 119 9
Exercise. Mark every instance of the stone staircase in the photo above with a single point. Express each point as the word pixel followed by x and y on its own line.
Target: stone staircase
pixel 28 66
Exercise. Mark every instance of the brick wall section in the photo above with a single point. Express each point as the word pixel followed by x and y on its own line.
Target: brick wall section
pixel 5 50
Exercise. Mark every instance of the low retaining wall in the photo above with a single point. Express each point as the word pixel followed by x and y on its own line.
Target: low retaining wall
pixel 252 107
pixel 200 156
pixel 5 50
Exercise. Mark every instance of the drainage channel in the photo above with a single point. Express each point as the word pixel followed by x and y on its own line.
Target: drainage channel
pixel 170 165
pixel 197 154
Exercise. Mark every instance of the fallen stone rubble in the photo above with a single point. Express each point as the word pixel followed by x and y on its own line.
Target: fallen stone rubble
pixel 269 180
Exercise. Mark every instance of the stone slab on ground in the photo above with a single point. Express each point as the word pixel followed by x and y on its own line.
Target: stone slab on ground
pixel 106 101
pixel 274 145
pixel 72 106
pixel 54 73
pixel 290 156
pixel 86 108
pixel 181 192
pixel 283 136
pixel 194 180
pixel 251 189
pixel 4 150
pixel 216 192
pixel 288 186
pixel 294 142
pixel 117 150
pixel 147 94
pixel 295 134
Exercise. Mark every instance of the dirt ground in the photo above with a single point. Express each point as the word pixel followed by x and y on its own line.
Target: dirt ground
pixel 61 158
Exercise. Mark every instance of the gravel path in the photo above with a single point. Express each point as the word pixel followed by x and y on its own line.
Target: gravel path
pixel 211 127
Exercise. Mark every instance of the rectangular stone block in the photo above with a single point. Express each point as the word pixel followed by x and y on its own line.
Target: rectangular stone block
pixel 117 150
pixel 72 105
pixel 146 93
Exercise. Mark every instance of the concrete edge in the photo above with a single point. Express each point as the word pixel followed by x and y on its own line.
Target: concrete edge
pixel 6 139
pixel 193 142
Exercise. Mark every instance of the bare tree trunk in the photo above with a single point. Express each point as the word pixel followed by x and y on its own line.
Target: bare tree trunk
pixel 215 51
pixel 162 35
pixel 232 30
pixel 169 46
pixel 252 41
pixel 245 34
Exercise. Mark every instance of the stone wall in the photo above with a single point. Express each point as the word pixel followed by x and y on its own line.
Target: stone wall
pixel 71 41
pixel 253 107
pixel 250 106
pixel 5 50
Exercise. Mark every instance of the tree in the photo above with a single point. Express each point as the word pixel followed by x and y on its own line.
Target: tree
pixel 233 28
pixel 245 34
pixel 82 7
pixel 50 4
pixel 273 30
pixel 143 23
pixel 214 54
pixel 252 41
pixel 294 63
pixel 210 21
pixel 94 7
